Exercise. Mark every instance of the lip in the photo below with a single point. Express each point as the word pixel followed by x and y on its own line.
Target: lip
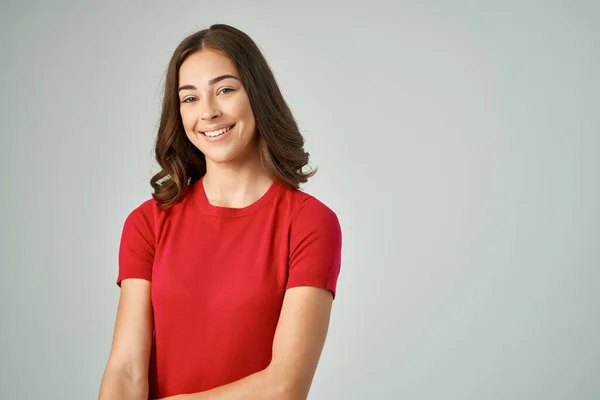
pixel 221 137
pixel 216 128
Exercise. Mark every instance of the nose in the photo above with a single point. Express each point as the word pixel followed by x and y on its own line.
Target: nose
pixel 209 110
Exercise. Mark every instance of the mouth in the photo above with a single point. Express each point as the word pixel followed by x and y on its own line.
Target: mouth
pixel 217 133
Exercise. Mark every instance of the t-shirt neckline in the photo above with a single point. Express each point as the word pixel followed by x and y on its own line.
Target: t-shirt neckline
pixel 230 212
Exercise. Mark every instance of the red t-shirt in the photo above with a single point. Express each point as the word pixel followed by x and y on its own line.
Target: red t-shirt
pixel 219 276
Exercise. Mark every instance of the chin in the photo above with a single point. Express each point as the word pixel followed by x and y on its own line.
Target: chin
pixel 239 156
pixel 222 158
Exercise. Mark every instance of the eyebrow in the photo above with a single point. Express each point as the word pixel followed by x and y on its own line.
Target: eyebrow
pixel 210 82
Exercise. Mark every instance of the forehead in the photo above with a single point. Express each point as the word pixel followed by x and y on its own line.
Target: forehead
pixel 201 66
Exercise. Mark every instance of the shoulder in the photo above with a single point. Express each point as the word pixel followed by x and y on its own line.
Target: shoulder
pixel 307 206
pixel 311 216
pixel 147 215
pixel 147 210
pixel 143 218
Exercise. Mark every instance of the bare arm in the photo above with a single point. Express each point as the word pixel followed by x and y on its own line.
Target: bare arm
pixel 126 373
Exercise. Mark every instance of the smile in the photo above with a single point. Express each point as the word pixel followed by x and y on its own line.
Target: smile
pixel 218 132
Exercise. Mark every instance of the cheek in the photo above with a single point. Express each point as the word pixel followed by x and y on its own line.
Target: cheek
pixel 187 121
pixel 241 107
pixel 245 112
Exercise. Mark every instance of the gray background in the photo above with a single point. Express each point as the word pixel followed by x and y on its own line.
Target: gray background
pixel 457 141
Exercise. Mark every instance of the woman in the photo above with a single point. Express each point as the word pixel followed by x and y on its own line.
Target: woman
pixel 229 272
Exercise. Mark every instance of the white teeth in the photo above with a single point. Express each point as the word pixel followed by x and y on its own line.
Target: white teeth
pixel 217 133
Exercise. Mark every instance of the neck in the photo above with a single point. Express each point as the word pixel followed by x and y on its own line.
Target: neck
pixel 236 185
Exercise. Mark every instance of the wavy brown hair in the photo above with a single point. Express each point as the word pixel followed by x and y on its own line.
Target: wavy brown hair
pixel 281 144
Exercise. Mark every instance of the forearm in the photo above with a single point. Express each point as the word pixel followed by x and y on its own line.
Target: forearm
pixel 263 385
pixel 117 386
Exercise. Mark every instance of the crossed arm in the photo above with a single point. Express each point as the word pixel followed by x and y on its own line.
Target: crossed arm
pixel 297 346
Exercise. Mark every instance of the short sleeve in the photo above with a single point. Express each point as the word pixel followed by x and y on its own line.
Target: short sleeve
pixel 136 249
pixel 315 247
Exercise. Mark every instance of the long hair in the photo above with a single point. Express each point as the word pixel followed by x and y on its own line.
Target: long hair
pixel 281 144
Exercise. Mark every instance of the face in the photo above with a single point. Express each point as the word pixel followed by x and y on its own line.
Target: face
pixel 215 108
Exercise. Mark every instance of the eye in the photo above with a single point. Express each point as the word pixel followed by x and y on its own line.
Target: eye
pixel 187 99
pixel 221 91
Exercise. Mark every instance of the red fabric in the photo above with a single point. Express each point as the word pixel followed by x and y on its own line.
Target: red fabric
pixel 218 279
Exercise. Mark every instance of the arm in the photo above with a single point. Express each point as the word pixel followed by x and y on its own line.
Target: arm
pixel 297 346
pixel 126 373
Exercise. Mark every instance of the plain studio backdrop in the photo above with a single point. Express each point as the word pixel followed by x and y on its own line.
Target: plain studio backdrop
pixel 458 142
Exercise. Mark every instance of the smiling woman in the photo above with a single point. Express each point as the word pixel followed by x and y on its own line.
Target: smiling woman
pixel 229 271
pixel 215 68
